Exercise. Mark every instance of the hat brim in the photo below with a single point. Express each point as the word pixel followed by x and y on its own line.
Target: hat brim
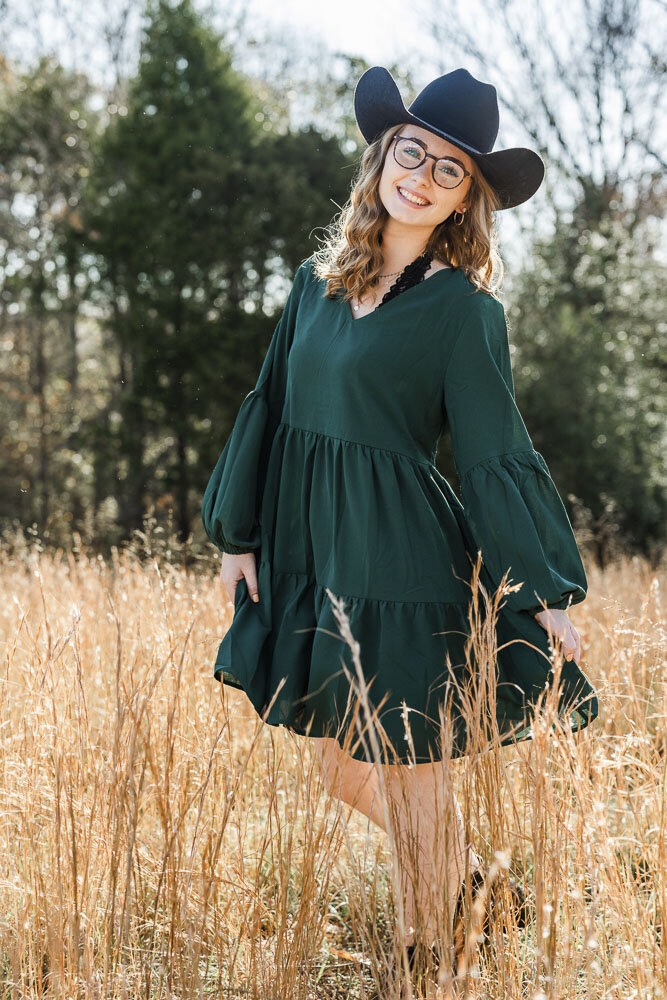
pixel 515 173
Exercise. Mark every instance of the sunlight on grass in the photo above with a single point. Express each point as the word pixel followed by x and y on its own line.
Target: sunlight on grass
pixel 158 840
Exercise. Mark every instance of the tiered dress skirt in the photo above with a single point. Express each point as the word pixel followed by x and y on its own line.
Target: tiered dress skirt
pixel 329 478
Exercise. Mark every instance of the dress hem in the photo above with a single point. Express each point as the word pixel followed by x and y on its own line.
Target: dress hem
pixel 578 720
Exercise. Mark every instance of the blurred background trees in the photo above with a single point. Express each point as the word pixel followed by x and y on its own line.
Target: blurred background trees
pixel 150 227
pixel 586 306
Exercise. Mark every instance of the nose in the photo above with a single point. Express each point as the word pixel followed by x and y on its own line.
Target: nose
pixel 423 171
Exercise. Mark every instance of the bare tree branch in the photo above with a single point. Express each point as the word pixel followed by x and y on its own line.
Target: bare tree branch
pixel 585 84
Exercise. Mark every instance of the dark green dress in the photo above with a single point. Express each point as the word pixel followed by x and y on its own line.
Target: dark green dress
pixel 329 476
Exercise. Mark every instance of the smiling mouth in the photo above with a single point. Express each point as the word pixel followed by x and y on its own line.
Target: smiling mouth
pixel 408 196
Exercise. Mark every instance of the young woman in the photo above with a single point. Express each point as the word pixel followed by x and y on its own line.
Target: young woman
pixel 393 333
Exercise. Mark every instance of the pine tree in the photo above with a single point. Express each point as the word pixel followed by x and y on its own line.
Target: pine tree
pixel 170 219
pixel 590 368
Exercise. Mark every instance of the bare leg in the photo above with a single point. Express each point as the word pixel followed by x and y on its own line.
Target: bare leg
pixel 352 781
pixel 432 838
pixel 428 822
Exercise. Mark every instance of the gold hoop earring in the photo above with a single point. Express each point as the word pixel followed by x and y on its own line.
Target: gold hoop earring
pixel 460 220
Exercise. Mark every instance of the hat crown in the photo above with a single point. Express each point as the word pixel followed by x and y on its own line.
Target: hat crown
pixel 461 109
pixel 462 106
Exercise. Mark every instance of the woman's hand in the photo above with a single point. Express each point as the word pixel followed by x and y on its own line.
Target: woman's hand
pixel 237 565
pixel 558 625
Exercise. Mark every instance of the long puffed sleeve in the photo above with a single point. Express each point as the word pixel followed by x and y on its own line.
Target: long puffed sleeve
pixel 232 499
pixel 511 503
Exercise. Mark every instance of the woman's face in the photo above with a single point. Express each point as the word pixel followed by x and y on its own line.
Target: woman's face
pixel 441 201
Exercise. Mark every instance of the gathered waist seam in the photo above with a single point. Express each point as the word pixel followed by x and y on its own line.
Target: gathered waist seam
pixel 390 451
pixel 369 600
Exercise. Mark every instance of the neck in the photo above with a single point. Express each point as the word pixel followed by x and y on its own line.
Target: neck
pixel 401 244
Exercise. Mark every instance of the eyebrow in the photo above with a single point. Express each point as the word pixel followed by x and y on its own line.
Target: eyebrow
pixel 422 142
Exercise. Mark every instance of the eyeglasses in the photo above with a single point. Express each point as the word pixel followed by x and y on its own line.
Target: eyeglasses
pixel 447 171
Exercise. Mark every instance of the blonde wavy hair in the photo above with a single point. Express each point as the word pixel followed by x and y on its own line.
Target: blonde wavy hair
pixel 350 258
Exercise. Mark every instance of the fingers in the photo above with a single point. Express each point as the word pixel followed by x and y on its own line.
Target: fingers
pixel 236 567
pixel 577 645
pixel 560 629
pixel 250 574
pixel 572 648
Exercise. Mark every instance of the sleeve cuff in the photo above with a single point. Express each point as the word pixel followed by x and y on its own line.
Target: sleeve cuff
pixel 236 550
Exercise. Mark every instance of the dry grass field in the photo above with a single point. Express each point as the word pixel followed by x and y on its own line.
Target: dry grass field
pixel 159 841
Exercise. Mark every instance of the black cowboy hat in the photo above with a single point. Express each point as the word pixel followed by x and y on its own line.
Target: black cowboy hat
pixel 457 107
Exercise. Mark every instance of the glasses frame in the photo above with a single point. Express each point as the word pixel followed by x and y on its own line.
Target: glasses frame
pixel 436 159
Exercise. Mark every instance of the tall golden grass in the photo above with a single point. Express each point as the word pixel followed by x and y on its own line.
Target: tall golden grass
pixel 159 841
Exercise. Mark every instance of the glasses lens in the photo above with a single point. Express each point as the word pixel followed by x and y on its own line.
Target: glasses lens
pixel 448 173
pixel 409 153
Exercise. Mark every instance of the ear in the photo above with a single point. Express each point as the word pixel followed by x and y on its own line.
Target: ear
pixel 463 205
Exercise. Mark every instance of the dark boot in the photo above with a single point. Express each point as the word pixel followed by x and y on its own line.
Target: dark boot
pixel 518 903
pixel 424 959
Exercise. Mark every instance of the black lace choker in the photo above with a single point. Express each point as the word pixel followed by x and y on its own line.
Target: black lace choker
pixel 411 275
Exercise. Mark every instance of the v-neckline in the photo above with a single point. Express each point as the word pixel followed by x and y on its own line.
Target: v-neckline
pixel 360 319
